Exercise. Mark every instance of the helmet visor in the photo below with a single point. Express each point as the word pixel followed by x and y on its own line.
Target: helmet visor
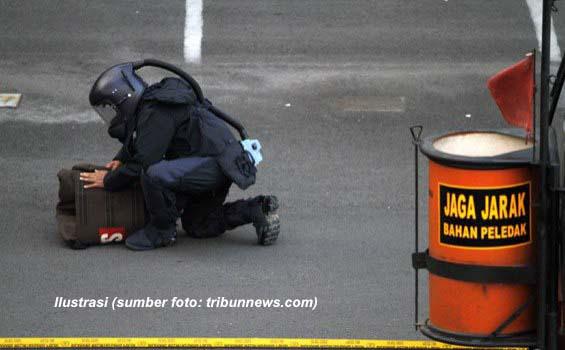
pixel 106 111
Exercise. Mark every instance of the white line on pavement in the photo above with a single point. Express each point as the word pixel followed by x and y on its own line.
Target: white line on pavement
pixel 193 31
pixel 536 10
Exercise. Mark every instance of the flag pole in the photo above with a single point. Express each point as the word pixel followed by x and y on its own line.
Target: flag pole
pixel 556 90
pixel 542 226
pixel 533 53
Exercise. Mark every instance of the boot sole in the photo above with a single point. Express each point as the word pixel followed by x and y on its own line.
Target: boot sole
pixel 269 232
pixel 138 248
pixel 142 248
pixel 164 243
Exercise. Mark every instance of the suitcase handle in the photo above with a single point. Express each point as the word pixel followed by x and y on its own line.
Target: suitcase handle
pixel 88 168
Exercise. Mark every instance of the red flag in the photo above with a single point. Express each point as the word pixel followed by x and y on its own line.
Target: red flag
pixel 513 91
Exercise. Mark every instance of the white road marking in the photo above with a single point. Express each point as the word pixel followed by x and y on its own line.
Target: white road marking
pixel 193 31
pixel 536 10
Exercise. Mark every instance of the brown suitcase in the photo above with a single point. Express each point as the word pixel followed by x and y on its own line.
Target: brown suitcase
pixel 93 216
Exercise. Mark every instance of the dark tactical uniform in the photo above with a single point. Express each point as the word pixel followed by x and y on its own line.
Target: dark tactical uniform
pixel 174 151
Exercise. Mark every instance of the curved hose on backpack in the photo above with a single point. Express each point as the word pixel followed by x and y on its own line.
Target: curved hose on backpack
pixel 197 91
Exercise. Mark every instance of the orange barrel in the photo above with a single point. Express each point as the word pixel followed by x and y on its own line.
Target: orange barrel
pixel 481 260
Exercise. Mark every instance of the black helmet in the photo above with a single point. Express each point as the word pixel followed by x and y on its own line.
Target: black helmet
pixel 116 94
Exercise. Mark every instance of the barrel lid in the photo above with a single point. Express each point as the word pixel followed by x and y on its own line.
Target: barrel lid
pixel 479 149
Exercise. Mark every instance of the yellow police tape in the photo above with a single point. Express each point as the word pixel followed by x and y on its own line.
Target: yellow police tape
pixel 224 343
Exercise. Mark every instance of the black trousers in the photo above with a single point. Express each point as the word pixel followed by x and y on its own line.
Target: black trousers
pixel 194 189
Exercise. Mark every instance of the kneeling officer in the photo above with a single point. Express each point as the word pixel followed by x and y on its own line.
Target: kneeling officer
pixel 185 157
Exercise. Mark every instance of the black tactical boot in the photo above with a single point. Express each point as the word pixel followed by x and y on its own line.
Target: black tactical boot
pixel 151 237
pixel 213 219
pixel 265 219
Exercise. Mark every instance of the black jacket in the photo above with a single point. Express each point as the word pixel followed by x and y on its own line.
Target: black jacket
pixel 169 124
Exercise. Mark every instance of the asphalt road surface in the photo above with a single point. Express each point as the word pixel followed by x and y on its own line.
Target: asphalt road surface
pixel 329 87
